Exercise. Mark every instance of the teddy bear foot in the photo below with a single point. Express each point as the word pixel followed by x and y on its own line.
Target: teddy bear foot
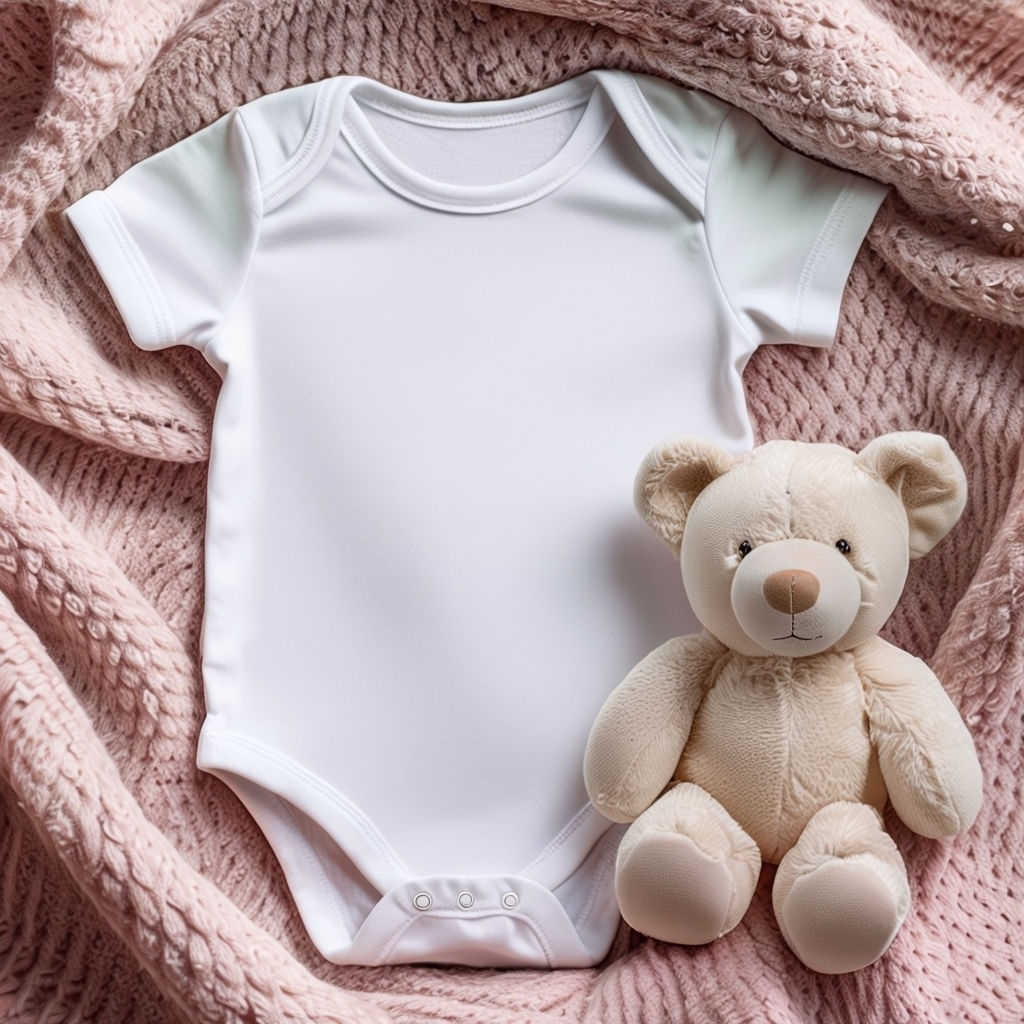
pixel 670 890
pixel 686 871
pixel 841 893
pixel 840 918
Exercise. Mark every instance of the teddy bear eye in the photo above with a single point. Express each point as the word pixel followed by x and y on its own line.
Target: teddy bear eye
pixel 843 546
pixel 745 547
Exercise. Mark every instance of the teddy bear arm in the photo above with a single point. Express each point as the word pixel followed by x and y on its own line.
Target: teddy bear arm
pixel 639 734
pixel 926 754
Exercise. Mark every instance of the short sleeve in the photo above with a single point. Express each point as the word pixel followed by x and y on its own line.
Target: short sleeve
pixel 783 231
pixel 174 235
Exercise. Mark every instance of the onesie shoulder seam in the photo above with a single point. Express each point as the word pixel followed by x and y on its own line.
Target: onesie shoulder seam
pixel 727 298
pixel 312 151
pixel 653 140
pixel 255 207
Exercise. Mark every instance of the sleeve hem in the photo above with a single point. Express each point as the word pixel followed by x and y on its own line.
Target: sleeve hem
pixel 124 271
pixel 823 282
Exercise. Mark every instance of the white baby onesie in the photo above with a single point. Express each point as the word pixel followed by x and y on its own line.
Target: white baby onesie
pixel 448 334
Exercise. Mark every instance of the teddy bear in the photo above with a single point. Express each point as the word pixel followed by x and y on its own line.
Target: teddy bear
pixel 778 734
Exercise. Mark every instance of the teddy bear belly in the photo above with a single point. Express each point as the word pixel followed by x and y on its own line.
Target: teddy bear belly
pixel 773 751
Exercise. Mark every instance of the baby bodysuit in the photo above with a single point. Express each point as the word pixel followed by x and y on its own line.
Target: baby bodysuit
pixel 447 335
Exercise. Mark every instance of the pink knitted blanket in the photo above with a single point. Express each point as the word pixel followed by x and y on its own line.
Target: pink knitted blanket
pixel 135 889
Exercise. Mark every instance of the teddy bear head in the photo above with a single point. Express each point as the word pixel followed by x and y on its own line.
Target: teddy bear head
pixel 797 548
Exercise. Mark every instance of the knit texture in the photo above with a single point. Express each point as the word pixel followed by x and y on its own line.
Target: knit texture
pixel 134 888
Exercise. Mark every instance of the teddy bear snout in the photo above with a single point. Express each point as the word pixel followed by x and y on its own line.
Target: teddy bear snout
pixel 790 611
pixel 791 590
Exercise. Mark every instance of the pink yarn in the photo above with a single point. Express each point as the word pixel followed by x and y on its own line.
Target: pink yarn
pixel 133 888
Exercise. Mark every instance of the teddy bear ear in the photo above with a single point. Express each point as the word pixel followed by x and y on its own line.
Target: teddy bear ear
pixel 927 477
pixel 671 477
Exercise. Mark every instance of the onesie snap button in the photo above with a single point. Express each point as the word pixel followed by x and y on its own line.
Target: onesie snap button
pixel 510 901
pixel 466 900
pixel 422 901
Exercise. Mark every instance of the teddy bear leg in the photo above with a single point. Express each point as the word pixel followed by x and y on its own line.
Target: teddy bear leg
pixel 686 871
pixel 841 893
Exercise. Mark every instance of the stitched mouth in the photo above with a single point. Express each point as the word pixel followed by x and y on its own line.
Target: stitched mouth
pixel 794 635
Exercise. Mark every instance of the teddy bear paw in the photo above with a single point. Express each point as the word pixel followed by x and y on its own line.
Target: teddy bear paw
pixel 840 917
pixel 671 890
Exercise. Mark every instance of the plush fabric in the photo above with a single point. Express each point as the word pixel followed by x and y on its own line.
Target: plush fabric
pixel 134 889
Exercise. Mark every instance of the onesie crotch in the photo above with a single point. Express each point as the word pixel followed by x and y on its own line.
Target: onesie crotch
pixel 473 921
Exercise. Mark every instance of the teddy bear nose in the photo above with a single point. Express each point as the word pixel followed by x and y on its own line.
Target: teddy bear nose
pixel 791 590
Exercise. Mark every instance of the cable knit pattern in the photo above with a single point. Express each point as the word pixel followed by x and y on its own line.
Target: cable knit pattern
pixel 133 888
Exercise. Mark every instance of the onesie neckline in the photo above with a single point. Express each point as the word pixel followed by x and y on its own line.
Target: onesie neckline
pixel 588 134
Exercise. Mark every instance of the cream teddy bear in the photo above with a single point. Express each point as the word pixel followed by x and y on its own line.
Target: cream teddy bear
pixel 777 735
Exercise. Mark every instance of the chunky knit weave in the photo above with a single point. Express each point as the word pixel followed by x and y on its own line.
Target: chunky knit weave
pixel 133 888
